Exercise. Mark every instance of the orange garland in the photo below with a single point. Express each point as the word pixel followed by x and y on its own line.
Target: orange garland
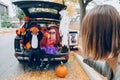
pixel 25 18
pixel 22 30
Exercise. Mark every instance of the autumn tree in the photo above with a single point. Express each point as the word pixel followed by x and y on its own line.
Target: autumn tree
pixel 70 6
pixel 82 3
pixel 6 21
pixel 19 14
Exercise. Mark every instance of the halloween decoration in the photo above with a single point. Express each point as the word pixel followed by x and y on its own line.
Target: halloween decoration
pixel 34 36
pixel 27 46
pixel 22 30
pixel 18 32
pixel 61 70
pixel 34 30
pixel 59 45
pixel 46 34
pixel 34 40
pixel 64 24
pixel 26 18
pixel 52 39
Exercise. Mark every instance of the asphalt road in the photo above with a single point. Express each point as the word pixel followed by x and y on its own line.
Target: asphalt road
pixel 9 66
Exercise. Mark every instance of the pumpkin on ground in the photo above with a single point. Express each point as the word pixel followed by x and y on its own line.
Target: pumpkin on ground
pixel 61 70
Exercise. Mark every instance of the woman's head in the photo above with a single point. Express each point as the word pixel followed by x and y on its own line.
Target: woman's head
pixel 99 31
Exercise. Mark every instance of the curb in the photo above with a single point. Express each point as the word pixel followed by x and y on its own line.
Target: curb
pixel 92 74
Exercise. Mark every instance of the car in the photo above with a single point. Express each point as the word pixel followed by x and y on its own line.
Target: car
pixel 41 14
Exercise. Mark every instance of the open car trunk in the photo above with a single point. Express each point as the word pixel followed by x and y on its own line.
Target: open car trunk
pixel 42 17
pixel 26 39
pixel 40 9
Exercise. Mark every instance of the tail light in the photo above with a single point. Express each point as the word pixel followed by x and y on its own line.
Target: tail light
pixel 66 57
pixel 21 41
pixel 16 55
pixel 21 44
pixel 17 32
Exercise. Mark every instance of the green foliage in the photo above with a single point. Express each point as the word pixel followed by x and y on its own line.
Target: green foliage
pixel 19 14
pixel 5 21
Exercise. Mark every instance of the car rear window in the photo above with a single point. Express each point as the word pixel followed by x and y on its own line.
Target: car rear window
pixel 36 10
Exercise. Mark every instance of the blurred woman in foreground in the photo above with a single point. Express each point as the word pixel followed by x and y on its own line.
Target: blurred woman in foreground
pixel 100 33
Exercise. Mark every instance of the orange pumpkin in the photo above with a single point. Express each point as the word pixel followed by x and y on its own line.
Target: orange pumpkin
pixel 61 70
pixel 60 43
pixel 46 34
pixel 60 46
pixel 27 46
pixel 26 18
pixel 18 31
pixel 23 30
pixel 34 30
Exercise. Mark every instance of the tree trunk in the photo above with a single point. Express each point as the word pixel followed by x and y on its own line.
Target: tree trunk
pixel 82 5
pixel 82 12
pixel 63 2
pixel 83 9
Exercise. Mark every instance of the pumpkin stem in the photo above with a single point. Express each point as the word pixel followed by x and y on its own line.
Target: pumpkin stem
pixel 61 63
